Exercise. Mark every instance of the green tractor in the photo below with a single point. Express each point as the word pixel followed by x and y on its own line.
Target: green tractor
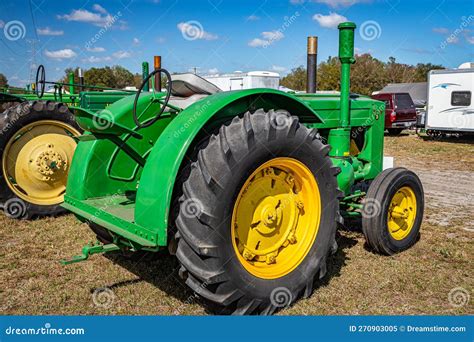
pixel 245 187
pixel 37 142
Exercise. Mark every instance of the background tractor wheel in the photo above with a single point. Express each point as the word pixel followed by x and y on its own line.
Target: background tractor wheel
pixel 393 211
pixel 36 146
pixel 258 213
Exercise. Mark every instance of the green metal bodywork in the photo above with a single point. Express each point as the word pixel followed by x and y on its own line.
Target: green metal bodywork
pixel 123 178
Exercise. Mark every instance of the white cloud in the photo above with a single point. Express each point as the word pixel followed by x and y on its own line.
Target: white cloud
pixel 98 18
pixel 340 3
pixel 60 54
pixel 253 17
pixel 470 39
pixel 297 2
pixel 121 54
pixel 441 30
pixel 213 71
pixel 277 68
pixel 194 31
pixel 2 23
pixel 257 42
pixel 95 49
pixel 452 39
pixel 99 8
pixel 136 41
pixel 49 32
pixel 268 38
pixel 329 21
pixel 94 59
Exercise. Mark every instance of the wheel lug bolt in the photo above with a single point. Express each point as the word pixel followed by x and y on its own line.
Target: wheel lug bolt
pixel 300 204
pixel 270 259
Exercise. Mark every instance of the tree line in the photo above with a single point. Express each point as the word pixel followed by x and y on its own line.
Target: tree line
pixel 113 77
pixel 368 74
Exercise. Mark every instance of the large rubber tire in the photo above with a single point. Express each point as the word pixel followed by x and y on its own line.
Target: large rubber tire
pixel 376 208
pixel 11 121
pixel 213 177
pixel 5 105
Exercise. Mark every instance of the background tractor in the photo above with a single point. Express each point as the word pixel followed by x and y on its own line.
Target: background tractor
pixel 245 187
pixel 37 142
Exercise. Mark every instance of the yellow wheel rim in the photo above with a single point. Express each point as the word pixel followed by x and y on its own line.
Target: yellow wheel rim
pixel 36 161
pixel 276 218
pixel 402 213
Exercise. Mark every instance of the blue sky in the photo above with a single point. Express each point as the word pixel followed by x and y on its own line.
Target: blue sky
pixel 224 36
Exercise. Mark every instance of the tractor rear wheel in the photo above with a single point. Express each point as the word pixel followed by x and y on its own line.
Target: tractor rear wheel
pixel 393 211
pixel 257 214
pixel 5 105
pixel 36 146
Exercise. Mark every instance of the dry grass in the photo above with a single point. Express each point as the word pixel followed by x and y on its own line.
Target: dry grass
pixel 359 282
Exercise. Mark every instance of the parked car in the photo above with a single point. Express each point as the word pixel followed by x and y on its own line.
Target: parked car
pixel 400 111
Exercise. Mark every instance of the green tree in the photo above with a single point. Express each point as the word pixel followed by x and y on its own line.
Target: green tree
pixel 3 81
pixel 122 77
pixel 367 75
pixel 398 73
pixel 296 79
pixel 329 74
pixel 422 69
pixel 113 77
pixel 102 77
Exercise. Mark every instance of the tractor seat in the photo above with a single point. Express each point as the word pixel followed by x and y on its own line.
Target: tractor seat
pixel 188 84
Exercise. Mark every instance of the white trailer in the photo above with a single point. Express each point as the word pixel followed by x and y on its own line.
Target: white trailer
pixel 245 80
pixel 450 107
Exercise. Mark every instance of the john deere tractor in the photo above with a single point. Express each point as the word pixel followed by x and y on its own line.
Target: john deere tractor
pixel 37 132
pixel 245 187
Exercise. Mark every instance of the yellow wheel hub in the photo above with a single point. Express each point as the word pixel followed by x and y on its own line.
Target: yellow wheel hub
pixel 35 162
pixel 401 213
pixel 276 218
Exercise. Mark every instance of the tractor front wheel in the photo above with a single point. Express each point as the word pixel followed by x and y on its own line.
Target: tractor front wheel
pixel 393 211
pixel 258 214
pixel 37 146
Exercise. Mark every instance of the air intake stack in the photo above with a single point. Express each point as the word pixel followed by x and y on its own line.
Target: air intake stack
pixel 340 138
pixel 346 57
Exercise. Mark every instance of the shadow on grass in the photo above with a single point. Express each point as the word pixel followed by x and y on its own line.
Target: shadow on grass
pixel 162 272
pixel 158 269
pixel 337 261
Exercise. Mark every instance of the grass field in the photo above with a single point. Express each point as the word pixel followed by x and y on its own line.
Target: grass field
pixel 417 281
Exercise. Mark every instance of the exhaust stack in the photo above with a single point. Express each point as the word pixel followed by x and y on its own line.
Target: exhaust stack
pixel 312 65
pixel 81 79
pixel 157 65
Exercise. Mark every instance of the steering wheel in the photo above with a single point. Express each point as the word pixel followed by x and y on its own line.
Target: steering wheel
pixel 167 98
pixel 40 81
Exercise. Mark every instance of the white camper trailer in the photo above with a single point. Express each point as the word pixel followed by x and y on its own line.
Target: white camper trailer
pixel 450 106
pixel 245 80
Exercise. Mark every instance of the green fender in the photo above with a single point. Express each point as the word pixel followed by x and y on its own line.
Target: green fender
pixel 154 195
